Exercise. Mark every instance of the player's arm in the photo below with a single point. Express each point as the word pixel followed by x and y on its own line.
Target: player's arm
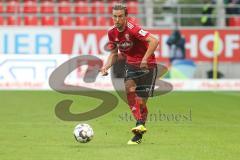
pixel 112 58
pixel 152 46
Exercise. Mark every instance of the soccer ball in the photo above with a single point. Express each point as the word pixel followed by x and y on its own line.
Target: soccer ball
pixel 83 133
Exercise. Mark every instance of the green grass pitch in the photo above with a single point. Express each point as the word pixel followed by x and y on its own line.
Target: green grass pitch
pixel 182 126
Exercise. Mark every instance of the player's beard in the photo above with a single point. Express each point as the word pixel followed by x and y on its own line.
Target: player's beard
pixel 120 26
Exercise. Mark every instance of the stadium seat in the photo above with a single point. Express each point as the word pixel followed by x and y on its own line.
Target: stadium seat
pixel 110 20
pixel 1 7
pixel 30 7
pixel 65 21
pixel 13 20
pixel 100 21
pixel 82 21
pixel 64 7
pixel 47 0
pixel 98 7
pixel 82 7
pixel 68 1
pixel 132 7
pixel 1 20
pixel 31 21
pixel 30 0
pixel 134 20
pixel 47 7
pixel 48 21
pixel 12 6
pixel 13 0
pixel 110 5
pixel 234 21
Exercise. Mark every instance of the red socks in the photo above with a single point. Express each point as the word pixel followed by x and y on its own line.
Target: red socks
pixel 139 112
pixel 144 113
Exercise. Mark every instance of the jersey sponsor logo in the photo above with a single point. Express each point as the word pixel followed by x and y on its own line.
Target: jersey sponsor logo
pixel 142 32
pixel 125 45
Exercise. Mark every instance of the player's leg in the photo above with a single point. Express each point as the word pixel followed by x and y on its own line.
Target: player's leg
pixel 130 87
pixel 143 108
pixel 140 124
pixel 140 128
pixel 136 103
pixel 144 90
pixel 137 106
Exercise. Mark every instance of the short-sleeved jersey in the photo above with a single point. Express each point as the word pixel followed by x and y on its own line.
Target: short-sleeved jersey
pixel 132 43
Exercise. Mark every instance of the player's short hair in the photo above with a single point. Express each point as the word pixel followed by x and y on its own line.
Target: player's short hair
pixel 120 6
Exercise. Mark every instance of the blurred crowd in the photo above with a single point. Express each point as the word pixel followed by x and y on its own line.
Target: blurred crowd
pixel 232 8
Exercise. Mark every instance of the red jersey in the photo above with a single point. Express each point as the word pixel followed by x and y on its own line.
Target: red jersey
pixel 132 43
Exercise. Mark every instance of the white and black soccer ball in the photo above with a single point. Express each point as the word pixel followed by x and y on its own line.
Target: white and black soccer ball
pixel 83 133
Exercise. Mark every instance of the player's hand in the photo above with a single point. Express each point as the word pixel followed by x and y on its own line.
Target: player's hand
pixel 144 65
pixel 104 71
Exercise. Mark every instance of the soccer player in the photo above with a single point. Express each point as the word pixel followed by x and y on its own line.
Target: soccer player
pixel 138 46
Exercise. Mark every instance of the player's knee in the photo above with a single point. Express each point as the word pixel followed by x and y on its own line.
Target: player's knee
pixel 130 89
